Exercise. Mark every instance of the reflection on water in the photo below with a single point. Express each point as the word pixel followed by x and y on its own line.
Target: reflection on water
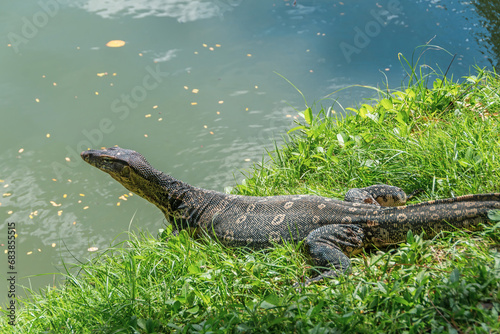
pixel 182 10
pixel 195 89
pixel 490 19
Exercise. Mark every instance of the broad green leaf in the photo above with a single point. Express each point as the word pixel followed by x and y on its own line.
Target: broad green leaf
pixel 494 215
pixel 410 93
pixel 401 300
pixel 329 152
pixel 362 112
pixel 308 116
pixel 472 79
pixel 399 95
pixel 296 128
pixel 368 107
pixel 402 117
pixel 194 269
pixel 340 138
pixel 387 104
pixel 437 83
pixel 193 310
pixel 381 287
pixel 317 156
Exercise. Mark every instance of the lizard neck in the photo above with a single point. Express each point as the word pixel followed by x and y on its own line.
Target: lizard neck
pixel 181 203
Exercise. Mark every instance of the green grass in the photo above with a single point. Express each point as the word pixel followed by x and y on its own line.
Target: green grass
pixel 444 140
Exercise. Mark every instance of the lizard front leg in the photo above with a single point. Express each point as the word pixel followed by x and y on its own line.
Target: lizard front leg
pixel 379 195
pixel 330 246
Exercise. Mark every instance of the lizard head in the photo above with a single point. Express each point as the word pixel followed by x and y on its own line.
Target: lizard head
pixel 128 167
pixel 133 171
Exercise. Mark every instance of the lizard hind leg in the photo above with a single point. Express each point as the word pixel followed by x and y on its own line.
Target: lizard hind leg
pixel 378 195
pixel 328 246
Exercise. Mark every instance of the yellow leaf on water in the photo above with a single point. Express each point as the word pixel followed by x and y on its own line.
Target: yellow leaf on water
pixel 116 43
pixel 102 74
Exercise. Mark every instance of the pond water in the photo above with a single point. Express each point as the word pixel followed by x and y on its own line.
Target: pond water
pixel 198 88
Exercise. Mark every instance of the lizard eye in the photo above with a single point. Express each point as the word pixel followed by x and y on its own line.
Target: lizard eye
pixel 125 171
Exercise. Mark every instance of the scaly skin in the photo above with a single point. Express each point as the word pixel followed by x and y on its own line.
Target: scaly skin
pixel 333 229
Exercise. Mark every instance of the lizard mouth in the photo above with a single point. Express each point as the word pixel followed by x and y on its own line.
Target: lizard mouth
pixel 104 161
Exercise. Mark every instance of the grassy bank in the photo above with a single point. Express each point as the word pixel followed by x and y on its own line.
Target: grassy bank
pixel 444 140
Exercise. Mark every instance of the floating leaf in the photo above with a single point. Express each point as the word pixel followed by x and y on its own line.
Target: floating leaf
pixel 116 43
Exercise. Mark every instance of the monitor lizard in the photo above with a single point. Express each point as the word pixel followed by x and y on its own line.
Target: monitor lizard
pixel 333 230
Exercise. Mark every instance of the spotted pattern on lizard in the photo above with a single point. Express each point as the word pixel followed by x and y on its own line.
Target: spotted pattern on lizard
pixel 332 229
